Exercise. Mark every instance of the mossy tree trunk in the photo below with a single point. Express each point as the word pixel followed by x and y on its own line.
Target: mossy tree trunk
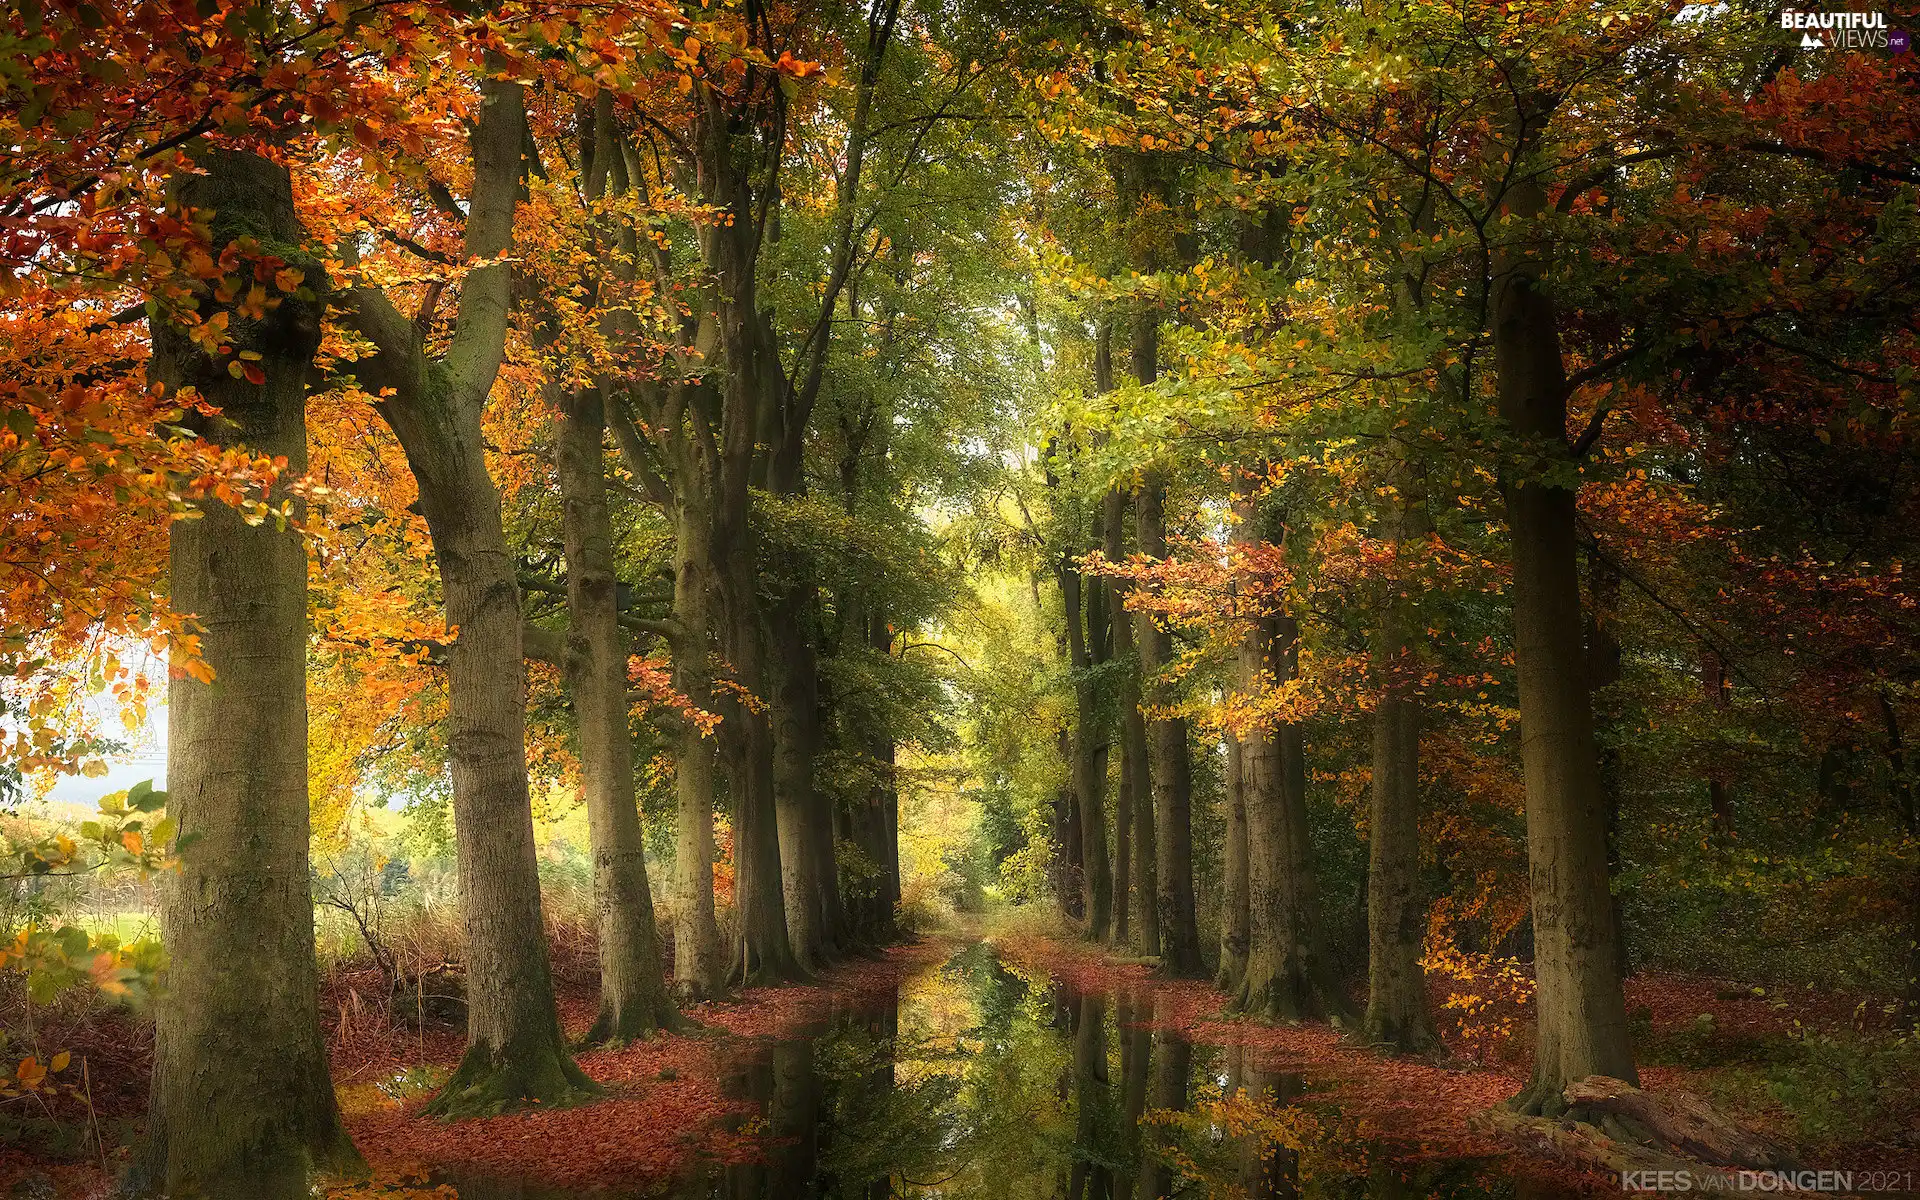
pixel 1134 762
pixel 670 452
pixel 1604 660
pixel 241 1102
pixel 699 971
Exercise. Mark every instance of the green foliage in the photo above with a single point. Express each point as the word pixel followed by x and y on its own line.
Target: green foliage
pixel 1834 1086
pixel 129 836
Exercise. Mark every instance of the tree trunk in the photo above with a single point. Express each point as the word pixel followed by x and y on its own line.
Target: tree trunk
pixel 1120 633
pixel 1134 819
pixel 761 949
pixel 762 952
pixel 883 809
pixel 1068 846
pixel 1133 761
pixel 1603 666
pixel 1122 929
pixel 1172 769
pixel 1089 751
pixel 515 1051
pixel 809 884
pixel 242 1105
pixel 1582 1011
pixel 1714 687
pixel 1288 976
pixel 1233 901
pixel 633 991
pixel 698 972
pixel 1396 1015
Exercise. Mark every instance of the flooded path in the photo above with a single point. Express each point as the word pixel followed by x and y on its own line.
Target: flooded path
pixel 977 1077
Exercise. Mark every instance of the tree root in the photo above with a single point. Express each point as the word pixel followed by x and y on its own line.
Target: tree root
pixel 486 1084
pixel 1606 1124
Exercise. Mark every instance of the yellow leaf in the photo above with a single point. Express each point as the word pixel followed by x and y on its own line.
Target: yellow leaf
pixel 60 1061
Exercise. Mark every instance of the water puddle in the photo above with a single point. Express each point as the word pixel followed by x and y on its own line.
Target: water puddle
pixel 977 1080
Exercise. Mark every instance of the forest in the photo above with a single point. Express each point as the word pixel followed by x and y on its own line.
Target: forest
pixel 963 598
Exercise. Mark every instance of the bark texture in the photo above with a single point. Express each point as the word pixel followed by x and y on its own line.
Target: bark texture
pixel 761 953
pixel 241 1103
pixel 1396 1015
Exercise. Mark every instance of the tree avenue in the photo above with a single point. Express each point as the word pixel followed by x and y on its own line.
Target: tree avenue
pixel 1400 511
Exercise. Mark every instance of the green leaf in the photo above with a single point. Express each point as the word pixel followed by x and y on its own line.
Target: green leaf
pixel 141 797
pixel 42 987
pixel 72 940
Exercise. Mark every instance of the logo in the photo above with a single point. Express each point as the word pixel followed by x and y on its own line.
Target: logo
pixel 1844 31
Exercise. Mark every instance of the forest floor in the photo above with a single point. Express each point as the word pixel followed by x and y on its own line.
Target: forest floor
pixel 1816 1071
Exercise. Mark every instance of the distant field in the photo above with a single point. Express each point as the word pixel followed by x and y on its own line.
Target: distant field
pixel 127 926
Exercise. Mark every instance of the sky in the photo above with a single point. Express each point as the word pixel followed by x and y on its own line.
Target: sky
pixel 147 760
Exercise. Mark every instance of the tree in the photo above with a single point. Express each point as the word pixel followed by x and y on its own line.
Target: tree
pixel 633 989
pixel 515 1051
pixel 242 1104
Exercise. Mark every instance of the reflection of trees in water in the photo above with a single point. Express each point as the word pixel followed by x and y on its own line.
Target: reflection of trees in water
pixel 1091 1174
pixel 1271 1170
pixel 1047 1095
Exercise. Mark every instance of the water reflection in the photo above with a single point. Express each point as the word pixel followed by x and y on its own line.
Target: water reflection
pixel 977 1081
